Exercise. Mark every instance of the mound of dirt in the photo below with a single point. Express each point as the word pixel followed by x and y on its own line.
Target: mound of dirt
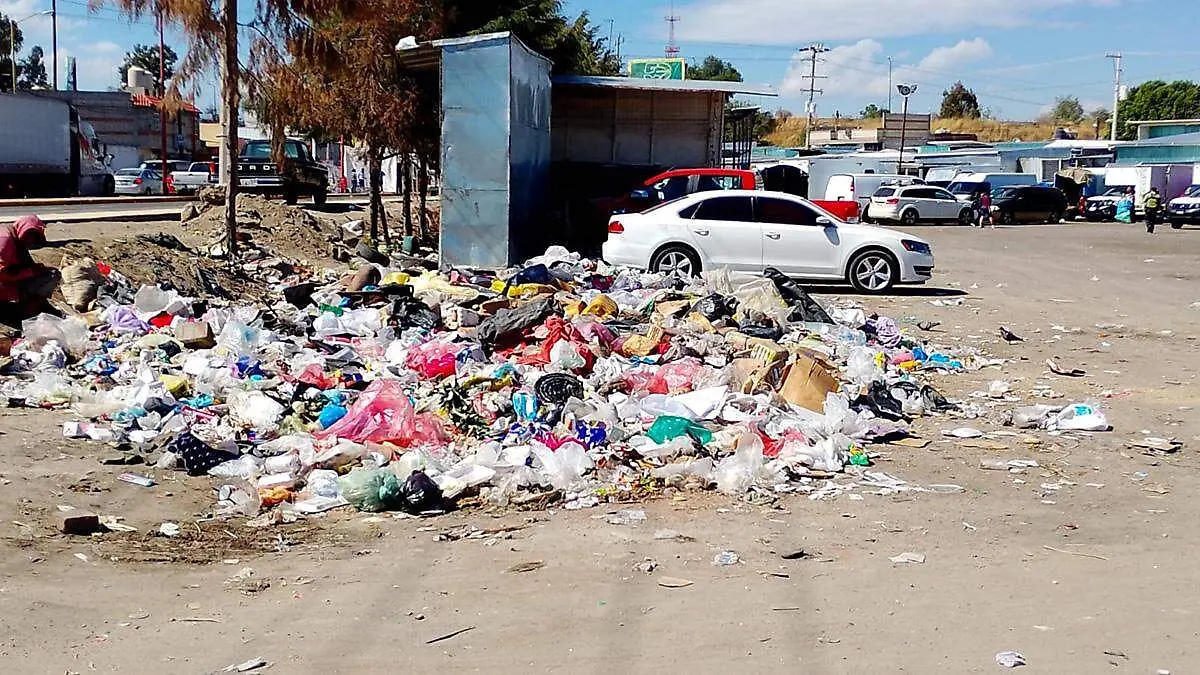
pixel 283 230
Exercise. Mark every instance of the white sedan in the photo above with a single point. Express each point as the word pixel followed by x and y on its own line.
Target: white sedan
pixel 750 230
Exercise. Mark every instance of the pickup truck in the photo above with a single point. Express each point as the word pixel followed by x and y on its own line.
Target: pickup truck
pixel 298 174
pixel 197 175
pixel 678 183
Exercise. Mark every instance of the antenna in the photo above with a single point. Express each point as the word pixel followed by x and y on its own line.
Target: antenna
pixel 672 49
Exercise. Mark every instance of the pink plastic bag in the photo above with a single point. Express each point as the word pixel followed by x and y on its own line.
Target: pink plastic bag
pixel 383 414
pixel 676 377
pixel 433 359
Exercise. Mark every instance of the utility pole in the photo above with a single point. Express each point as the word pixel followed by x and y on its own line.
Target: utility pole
pixel 53 40
pixel 162 103
pixel 1116 57
pixel 811 108
pixel 889 108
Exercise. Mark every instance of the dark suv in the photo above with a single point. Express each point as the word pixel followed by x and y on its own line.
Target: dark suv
pixel 1028 204
pixel 299 174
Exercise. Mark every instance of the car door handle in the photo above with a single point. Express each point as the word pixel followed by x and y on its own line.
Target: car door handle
pixel 773 235
pixel 702 233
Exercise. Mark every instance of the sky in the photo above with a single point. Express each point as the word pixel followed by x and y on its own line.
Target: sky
pixel 1017 55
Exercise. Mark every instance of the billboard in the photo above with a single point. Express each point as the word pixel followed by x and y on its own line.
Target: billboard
pixel 658 69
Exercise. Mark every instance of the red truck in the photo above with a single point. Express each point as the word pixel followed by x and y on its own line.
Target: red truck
pixel 678 183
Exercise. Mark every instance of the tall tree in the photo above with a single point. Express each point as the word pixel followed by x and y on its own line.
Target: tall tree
pixel 1158 100
pixel 6 64
pixel 1067 110
pixel 872 112
pixel 146 58
pixel 713 68
pixel 574 45
pixel 958 101
pixel 32 71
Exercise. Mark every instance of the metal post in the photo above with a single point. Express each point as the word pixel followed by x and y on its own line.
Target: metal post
pixel 12 52
pixel 903 129
pixel 889 108
pixel 230 92
pixel 54 40
pixel 162 108
pixel 1116 57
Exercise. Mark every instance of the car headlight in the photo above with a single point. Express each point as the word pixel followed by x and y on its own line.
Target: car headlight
pixel 916 246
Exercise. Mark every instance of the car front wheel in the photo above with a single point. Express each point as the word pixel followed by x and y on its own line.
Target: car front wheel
pixel 873 272
pixel 677 261
pixel 966 217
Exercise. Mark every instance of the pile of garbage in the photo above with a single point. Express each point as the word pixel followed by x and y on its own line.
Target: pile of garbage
pixel 565 381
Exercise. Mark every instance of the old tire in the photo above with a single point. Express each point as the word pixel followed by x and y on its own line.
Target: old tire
pixel 873 271
pixel 910 217
pixel 676 260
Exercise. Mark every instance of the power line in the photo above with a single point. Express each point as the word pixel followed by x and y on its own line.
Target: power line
pixel 814 50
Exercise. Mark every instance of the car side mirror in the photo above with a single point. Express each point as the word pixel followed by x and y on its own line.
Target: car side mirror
pixel 639 194
pixel 825 221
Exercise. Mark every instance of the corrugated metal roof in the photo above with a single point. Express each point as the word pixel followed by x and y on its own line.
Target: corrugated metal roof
pixel 1178 139
pixel 698 86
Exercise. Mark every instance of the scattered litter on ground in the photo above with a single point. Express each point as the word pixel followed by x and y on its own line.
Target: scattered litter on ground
pixel 906 558
pixel 1010 659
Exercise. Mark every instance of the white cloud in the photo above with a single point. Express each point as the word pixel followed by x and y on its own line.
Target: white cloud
pixel 860 69
pixel 792 21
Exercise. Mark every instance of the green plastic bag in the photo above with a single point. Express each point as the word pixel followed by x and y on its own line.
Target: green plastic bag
pixel 668 427
pixel 371 490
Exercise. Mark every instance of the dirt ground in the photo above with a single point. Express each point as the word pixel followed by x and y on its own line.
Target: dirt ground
pixel 1084 565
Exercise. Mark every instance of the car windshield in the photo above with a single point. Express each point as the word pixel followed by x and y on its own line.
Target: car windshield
pixel 129 172
pixel 964 187
pixel 1004 193
pixel 1193 191
pixel 257 150
pixel 1115 191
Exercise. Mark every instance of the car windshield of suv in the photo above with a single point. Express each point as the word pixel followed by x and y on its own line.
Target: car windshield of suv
pixel 964 187
pixel 1193 191
pixel 1005 193
pixel 1115 191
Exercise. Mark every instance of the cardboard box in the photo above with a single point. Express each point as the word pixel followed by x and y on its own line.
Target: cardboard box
pixel 807 383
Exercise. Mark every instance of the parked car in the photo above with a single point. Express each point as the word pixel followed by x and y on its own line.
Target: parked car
pixel 966 186
pixel 1185 208
pixel 1028 204
pixel 298 175
pixel 678 183
pixel 918 203
pixel 858 187
pixel 749 231
pixel 1104 206
pixel 138 181
pixel 194 177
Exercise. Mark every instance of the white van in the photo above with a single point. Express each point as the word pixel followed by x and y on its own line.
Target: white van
pixel 860 186
pixel 966 186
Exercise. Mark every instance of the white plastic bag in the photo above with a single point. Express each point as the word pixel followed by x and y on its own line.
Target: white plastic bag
pixel 255 409
pixel 862 368
pixel 737 472
pixel 1079 417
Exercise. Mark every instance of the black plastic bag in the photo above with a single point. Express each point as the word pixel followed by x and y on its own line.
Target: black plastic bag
pixel 880 401
pixel 716 307
pixel 412 313
pixel 300 295
pixel 506 323
pixel 804 308
pixel 766 330
pixel 420 493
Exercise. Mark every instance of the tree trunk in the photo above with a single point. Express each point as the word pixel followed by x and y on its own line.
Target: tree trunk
pixel 230 94
pixel 406 172
pixel 375 167
pixel 422 195
pixel 371 199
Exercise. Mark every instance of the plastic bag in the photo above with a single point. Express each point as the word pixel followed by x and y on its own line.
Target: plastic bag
pixel 1079 417
pixel 371 490
pixel 1031 417
pixel 323 483
pixel 676 377
pixel 151 300
pixel 383 414
pixel 736 473
pixel 862 366
pixel 71 334
pixel 256 410
pixel 564 358
pixel 561 468
pixel 420 493
pixel 804 308
pixel 666 428
pixel 433 360
pixel 412 313
pixel 506 323
pixel 716 306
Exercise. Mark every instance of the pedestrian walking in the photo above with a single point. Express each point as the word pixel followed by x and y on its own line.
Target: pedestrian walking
pixel 1152 202
pixel 985 210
